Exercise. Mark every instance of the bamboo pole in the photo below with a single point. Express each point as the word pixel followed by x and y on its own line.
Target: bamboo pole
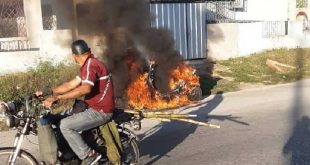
pixel 160 114
pixel 167 116
pixel 161 119
pixel 150 112
pixel 197 122
pixel 131 111
pixel 146 115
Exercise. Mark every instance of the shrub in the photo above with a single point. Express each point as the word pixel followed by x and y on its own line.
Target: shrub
pixel 44 75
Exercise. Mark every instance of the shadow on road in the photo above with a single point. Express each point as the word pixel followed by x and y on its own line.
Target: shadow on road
pixel 203 112
pixel 298 144
pixel 161 139
pixel 231 118
pixel 297 147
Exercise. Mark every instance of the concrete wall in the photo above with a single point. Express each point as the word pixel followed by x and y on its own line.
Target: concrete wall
pixel 17 61
pixel 55 44
pixel 34 24
pixel 268 10
pixel 242 39
pixel 55 47
pixel 221 40
pixel 249 38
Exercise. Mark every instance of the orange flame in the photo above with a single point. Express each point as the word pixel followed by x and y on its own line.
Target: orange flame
pixel 140 96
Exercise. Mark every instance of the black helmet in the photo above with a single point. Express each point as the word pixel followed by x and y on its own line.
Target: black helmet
pixel 79 47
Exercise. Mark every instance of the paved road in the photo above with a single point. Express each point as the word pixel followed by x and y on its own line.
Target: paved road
pixel 262 126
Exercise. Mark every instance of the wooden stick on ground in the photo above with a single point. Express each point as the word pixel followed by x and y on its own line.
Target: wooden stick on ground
pixel 280 64
pixel 280 67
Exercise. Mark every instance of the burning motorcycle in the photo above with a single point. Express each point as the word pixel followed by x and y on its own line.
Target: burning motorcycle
pixel 24 113
pixel 184 89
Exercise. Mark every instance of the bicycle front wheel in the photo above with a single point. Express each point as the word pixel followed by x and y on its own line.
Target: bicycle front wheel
pixel 24 158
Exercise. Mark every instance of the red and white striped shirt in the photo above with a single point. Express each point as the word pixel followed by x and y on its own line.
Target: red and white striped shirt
pixel 95 73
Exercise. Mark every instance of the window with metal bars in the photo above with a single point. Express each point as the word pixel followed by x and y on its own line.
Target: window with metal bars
pixel 274 29
pixel 49 19
pixel 224 11
pixel 217 11
pixel 12 19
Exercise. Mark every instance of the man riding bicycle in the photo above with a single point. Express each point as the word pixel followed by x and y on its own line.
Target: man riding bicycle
pixel 95 83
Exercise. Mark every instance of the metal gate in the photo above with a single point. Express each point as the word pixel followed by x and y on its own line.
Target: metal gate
pixel 187 23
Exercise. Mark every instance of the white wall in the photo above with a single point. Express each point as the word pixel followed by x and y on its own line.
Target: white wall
pixel 55 47
pixel 250 38
pixel 247 38
pixel 265 10
pixel 17 61
pixel 56 44
pixel 221 40
pixel 34 24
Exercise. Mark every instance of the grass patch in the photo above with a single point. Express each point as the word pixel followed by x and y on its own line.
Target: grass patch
pixel 17 85
pixel 253 69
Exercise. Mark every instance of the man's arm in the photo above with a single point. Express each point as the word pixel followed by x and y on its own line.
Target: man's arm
pixel 67 86
pixel 76 93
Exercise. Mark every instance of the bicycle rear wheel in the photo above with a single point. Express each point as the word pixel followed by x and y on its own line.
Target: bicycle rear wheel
pixel 24 158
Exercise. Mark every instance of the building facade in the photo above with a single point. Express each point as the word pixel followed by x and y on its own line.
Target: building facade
pixel 256 26
pixel 36 30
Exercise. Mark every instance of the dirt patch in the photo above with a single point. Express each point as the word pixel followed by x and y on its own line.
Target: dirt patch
pixel 3 126
pixel 250 85
pixel 221 68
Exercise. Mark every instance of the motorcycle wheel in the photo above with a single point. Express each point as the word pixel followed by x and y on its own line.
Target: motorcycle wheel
pixel 131 152
pixel 24 158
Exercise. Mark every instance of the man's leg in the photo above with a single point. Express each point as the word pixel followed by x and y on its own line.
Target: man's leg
pixel 72 125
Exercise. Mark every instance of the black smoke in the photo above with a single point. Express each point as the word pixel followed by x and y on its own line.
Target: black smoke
pixel 128 38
